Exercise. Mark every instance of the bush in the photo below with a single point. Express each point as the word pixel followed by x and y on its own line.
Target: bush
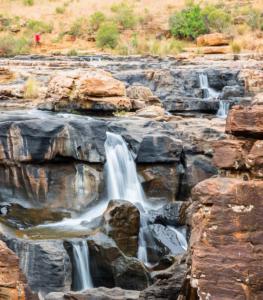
pixel 39 26
pixel 72 52
pixel 216 18
pixel 107 35
pixel 236 48
pixel 31 89
pixel 188 23
pixel 96 20
pixel 78 28
pixel 60 10
pixel 10 46
pixel 254 19
pixel 28 2
pixel 124 15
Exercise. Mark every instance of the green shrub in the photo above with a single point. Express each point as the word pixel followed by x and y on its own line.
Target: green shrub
pixel 96 20
pixel 216 19
pixel 28 2
pixel 60 10
pixel 236 48
pixel 188 23
pixel 79 27
pixel 72 52
pixel 124 15
pixel 107 35
pixel 39 26
pixel 10 46
pixel 31 89
pixel 254 19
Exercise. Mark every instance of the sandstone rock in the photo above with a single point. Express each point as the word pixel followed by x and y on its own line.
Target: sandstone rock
pixel 253 79
pixel 100 293
pixel 216 50
pixel 111 268
pixel 92 90
pixel 13 284
pixel 142 96
pixel 152 112
pixel 254 159
pixel 6 75
pixel 230 154
pixel 121 221
pixel 225 226
pixel 213 39
pixel 258 99
pixel 45 264
pixel 247 121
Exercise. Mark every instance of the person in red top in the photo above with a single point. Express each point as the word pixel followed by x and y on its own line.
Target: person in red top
pixel 37 39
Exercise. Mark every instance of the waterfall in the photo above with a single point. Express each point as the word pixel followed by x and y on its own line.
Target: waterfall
pixel 223 109
pixel 208 92
pixel 180 237
pixel 122 179
pixel 82 276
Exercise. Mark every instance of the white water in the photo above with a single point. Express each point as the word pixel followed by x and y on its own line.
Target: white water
pixel 223 109
pixel 180 237
pixel 209 93
pixel 83 278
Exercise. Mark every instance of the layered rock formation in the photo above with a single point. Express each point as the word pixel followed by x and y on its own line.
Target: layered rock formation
pixel 227 227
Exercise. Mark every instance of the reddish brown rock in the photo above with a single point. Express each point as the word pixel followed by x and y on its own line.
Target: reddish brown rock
pixel 253 79
pixel 231 154
pixel 246 121
pixel 213 39
pixel 227 238
pixel 12 282
pixel 254 159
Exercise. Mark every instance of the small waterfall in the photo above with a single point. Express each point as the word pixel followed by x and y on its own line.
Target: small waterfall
pixel 180 237
pixel 204 85
pixel 82 276
pixel 223 109
pixel 122 179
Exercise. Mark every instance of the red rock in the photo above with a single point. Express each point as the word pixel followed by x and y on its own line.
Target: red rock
pixel 213 39
pixel 245 121
pixel 226 239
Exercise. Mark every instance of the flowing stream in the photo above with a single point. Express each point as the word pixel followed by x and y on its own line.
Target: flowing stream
pixel 208 92
pixel 82 276
pixel 223 109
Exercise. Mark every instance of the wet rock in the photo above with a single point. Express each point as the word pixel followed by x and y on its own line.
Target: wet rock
pixel 19 217
pixel 172 214
pixel 100 293
pixel 45 264
pixel 213 39
pixel 168 283
pixel 246 121
pixel 110 267
pixel 13 283
pixel 232 91
pixel 61 185
pixel 121 221
pixel 225 226
pixel 159 148
pixel 160 180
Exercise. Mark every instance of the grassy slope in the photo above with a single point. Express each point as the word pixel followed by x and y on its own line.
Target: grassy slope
pixel 160 10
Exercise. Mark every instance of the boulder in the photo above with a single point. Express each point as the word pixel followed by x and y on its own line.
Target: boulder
pixel 13 283
pixel 142 96
pixel 229 92
pixel 100 293
pixel 153 112
pixel 214 39
pixel 246 121
pixel 111 268
pixel 258 99
pixel 45 264
pixel 215 50
pixel 92 90
pixel 121 221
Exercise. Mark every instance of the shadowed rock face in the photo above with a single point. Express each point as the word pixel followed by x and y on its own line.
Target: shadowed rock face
pixel 13 283
pixel 45 264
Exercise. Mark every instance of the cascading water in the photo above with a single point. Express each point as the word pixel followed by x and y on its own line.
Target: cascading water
pixel 208 92
pixel 223 109
pixel 82 276
pixel 123 184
